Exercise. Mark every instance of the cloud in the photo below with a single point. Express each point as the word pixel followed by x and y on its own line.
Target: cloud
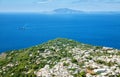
pixel 43 1
pixel 112 1
pixel 96 1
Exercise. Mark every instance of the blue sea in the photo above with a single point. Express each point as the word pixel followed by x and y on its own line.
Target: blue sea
pixel 28 29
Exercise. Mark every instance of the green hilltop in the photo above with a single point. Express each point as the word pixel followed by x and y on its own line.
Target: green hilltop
pixel 60 57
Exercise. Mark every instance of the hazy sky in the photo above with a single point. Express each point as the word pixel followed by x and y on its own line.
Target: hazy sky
pixel 46 5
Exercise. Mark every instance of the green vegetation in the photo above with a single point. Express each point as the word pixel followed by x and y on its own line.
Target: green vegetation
pixel 66 64
pixel 80 74
pixel 105 63
pixel 25 62
pixel 74 61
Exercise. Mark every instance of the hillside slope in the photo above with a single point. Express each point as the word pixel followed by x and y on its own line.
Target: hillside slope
pixel 61 58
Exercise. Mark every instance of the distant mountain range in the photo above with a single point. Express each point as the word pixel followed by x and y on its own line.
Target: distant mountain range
pixel 66 11
pixel 73 11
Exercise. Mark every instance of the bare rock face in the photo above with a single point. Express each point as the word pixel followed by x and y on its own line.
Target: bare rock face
pixel 2 55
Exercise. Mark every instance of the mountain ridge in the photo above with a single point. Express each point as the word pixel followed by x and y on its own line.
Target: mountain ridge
pixel 61 57
pixel 67 11
pixel 74 11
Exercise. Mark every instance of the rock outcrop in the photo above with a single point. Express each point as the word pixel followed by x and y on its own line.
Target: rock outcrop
pixel 61 58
